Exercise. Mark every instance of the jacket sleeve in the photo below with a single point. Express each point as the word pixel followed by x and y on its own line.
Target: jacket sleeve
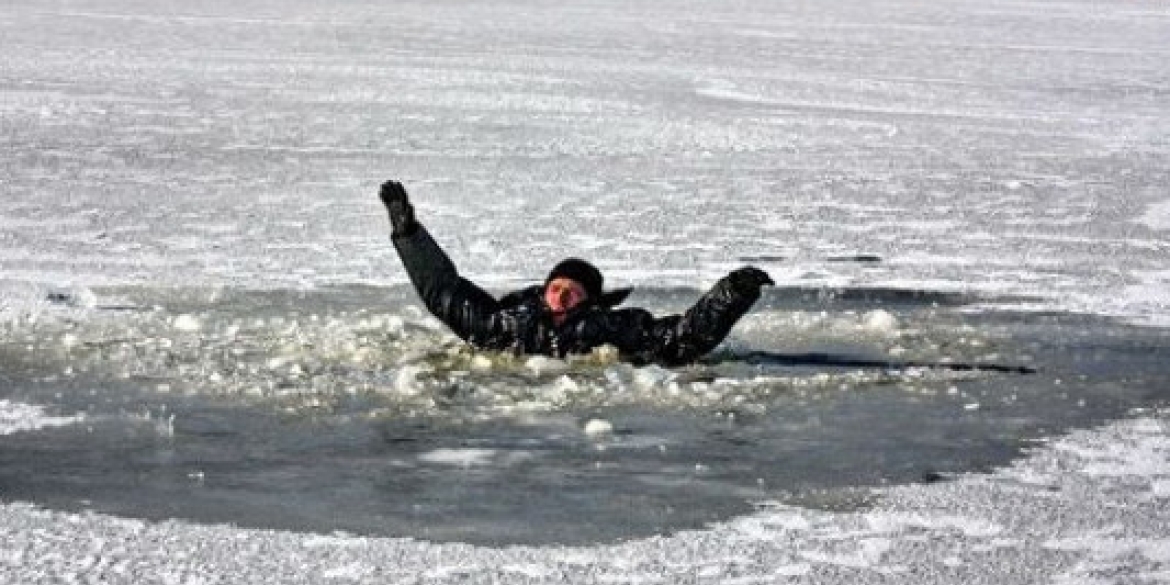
pixel 457 302
pixel 682 339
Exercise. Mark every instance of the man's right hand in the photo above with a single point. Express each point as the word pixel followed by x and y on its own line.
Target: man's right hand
pixel 394 197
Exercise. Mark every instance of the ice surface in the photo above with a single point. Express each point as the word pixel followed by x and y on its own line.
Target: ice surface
pixel 1010 148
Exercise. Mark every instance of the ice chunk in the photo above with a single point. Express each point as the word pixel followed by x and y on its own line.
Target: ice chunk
pixel 406 381
pixel 459 457
pixel 481 363
pixel 652 377
pixel 879 321
pixel 541 365
pixel 567 385
pixel 597 427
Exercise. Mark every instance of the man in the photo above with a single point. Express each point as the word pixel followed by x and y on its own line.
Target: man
pixel 570 313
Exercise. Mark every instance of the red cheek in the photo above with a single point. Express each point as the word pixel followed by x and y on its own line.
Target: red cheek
pixel 552 300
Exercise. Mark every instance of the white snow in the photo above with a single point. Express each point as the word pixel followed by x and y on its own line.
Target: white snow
pixel 995 146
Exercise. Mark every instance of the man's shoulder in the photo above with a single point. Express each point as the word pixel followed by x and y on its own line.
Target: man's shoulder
pixel 524 296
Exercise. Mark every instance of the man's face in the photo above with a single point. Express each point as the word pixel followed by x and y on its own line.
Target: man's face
pixel 563 295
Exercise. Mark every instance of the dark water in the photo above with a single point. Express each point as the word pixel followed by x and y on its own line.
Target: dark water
pixel 348 409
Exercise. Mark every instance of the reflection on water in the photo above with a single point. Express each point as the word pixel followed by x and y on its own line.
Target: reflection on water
pixel 349 409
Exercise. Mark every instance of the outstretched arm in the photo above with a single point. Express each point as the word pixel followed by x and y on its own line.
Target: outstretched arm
pixel 681 339
pixel 456 301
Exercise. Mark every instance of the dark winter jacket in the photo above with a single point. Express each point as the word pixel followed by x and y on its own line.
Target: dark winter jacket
pixel 519 322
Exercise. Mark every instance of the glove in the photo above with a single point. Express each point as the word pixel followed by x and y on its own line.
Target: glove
pixel 394 197
pixel 748 280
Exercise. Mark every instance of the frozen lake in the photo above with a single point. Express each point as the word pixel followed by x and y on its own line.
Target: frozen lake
pixel 961 377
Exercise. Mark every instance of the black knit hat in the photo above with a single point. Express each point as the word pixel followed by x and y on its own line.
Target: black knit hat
pixel 581 271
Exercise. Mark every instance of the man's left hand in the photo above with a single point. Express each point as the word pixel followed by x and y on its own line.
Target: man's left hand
pixel 394 197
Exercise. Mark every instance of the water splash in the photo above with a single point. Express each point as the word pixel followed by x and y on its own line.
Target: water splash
pixel 397 361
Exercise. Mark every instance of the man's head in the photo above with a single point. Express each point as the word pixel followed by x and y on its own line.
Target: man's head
pixel 570 284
